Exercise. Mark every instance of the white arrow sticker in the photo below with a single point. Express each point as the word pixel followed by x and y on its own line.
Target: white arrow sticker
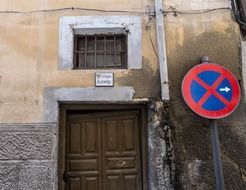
pixel 226 89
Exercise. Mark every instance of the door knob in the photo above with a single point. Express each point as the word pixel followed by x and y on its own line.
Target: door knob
pixel 121 163
pixel 67 175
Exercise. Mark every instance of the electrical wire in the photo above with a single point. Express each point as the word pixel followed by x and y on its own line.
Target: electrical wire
pixel 176 12
pixel 234 9
pixel 156 74
pixel 153 46
pixel 72 9
pixel 168 11
pixel 148 28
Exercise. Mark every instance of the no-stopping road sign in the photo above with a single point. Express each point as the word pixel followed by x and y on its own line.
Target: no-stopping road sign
pixel 211 91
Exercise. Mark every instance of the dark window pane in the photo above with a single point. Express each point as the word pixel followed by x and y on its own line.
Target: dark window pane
pixel 110 60
pixel 100 43
pixel 100 60
pixel 100 51
pixel 123 59
pixel 118 60
pixel 110 43
pixel 121 43
pixel 91 43
pixel 81 60
pixel 90 60
pixel 81 44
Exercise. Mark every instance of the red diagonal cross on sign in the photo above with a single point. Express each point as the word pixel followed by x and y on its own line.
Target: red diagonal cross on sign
pixel 211 90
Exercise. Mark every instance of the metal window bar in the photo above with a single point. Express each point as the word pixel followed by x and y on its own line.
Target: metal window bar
pixel 75 56
pixel 95 54
pixel 115 51
pixel 92 48
pixel 85 49
pixel 105 54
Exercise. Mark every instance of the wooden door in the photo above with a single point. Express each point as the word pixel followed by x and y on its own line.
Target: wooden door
pixel 83 151
pixel 103 152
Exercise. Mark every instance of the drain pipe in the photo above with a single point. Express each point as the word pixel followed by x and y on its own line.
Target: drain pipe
pixel 162 52
pixel 242 11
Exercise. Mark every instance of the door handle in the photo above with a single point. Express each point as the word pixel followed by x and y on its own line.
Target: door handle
pixel 121 163
pixel 67 175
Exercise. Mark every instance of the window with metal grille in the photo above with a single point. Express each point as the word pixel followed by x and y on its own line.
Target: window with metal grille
pixel 100 51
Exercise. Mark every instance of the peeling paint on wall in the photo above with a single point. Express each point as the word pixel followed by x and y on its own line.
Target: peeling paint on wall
pixel 161 163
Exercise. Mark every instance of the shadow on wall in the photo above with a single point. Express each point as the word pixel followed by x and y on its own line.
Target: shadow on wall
pixel 193 157
pixel 145 81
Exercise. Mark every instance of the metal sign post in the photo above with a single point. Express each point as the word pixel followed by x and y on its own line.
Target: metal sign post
pixel 212 92
pixel 218 169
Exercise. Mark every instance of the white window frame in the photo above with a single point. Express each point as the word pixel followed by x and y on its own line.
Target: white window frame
pixel 71 25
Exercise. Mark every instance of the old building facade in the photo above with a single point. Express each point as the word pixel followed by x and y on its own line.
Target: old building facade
pixel 90 94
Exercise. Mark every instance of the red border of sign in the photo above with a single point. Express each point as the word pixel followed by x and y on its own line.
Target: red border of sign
pixel 236 96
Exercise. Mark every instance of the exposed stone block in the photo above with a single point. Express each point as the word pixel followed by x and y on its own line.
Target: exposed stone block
pixel 35 177
pixel 8 177
pixel 27 142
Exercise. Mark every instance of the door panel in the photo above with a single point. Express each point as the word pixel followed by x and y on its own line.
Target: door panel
pixel 113 182
pixel 130 141
pixel 103 152
pixel 91 138
pixel 91 183
pixel 83 164
pixel 131 182
pixel 124 159
pixel 120 163
pixel 111 132
pixel 128 132
pixel 75 139
pixel 74 183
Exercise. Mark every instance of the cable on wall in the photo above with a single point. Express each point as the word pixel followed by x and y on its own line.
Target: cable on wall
pixel 170 10
pixel 71 9
pixel 175 12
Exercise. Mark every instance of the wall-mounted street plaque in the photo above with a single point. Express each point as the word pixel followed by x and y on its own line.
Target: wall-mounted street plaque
pixel 104 79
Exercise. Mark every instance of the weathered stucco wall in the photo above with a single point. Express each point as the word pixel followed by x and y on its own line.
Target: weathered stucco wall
pixel 29 61
pixel 30 80
pixel 190 36
pixel 31 84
